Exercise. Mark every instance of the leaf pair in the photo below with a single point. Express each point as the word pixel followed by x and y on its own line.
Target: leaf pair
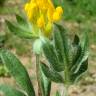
pixel 18 71
pixel 21 28
pixel 80 60
pixel 52 75
pixel 65 56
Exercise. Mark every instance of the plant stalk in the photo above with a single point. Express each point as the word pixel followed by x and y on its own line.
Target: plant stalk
pixel 40 93
pixel 67 81
pixel 64 90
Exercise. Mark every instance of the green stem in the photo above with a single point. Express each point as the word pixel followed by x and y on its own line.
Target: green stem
pixel 67 80
pixel 38 75
pixel 64 91
pixel 67 75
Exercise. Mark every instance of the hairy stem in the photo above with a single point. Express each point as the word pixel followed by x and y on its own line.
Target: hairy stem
pixel 64 90
pixel 67 81
pixel 38 75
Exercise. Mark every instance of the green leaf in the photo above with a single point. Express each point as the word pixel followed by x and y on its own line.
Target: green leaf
pixel 59 48
pixel 52 75
pixel 9 91
pixel 76 51
pixel 80 63
pixel 83 68
pixel 50 54
pixel 18 71
pixel 76 40
pixel 84 53
pixel 76 54
pixel 66 45
pixel 19 31
pixel 22 21
pixel 45 83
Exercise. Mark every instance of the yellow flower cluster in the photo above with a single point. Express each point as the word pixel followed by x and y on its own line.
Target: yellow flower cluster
pixel 42 13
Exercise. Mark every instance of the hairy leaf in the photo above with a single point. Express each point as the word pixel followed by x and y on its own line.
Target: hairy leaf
pixel 76 40
pixel 77 50
pixel 45 83
pixel 66 45
pixel 59 48
pixel 18 71
pixel 50 54
pixel 22 21
pixel 19 31
pixel 84 54
pixel 9 91
pixel 52 75
pixel 83 68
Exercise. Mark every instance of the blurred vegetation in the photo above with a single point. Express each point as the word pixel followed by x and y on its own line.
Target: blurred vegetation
pixel 79 10
pixel 3 70
pixel 82 12
pixel 2 2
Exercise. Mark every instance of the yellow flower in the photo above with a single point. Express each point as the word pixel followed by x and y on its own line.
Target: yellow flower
pixel 41 22
pixel 56 16
pixel 48 29
pixel 59 10
pixel 43 14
